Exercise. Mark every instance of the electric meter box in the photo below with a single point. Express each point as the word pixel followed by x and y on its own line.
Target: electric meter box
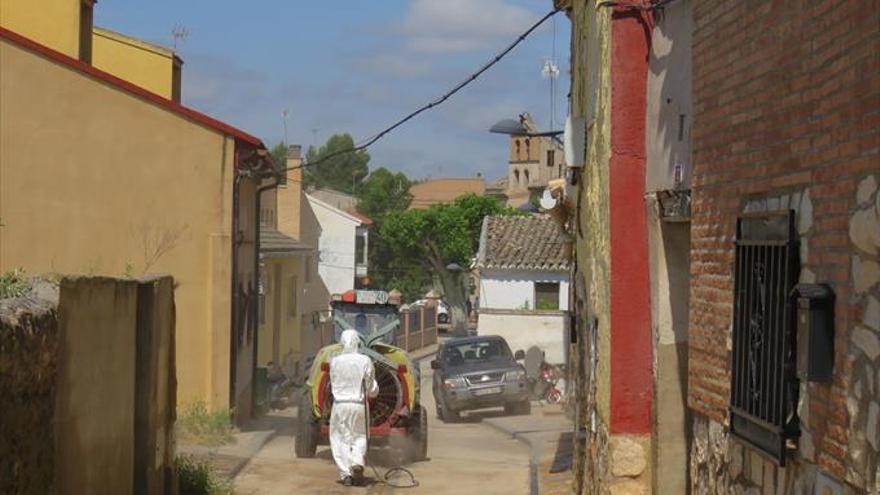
pixel 815 332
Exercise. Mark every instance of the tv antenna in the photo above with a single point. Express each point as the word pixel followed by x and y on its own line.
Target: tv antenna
pixel 179 32
pixel 550 70
pixel 284 114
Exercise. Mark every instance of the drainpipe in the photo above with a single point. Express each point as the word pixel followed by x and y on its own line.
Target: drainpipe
pixel 239 175
pixel 256 309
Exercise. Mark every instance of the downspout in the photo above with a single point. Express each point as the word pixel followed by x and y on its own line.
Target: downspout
pixel 256 306
pixel 234 299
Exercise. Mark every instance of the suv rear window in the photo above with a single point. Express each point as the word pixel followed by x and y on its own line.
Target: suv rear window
pixel 475 352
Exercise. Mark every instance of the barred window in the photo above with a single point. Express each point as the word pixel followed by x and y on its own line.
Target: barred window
pixel 763 382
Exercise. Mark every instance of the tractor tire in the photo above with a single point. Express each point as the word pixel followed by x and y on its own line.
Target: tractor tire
pixel 416 448
pixel 306 442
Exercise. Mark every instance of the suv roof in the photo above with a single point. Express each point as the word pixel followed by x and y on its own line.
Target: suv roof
pixel 468 340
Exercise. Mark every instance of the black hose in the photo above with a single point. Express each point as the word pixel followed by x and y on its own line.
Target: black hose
pixel 385 479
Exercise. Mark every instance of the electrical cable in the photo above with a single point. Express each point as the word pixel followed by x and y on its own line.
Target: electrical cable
pixel 369 142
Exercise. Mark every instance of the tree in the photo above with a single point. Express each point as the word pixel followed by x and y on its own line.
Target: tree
pixel 343 171
pixel 383 192
pixel 441 237
pixel 279 156
pixel 379 195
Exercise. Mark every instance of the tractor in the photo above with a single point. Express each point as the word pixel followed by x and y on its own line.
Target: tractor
pixel 397 418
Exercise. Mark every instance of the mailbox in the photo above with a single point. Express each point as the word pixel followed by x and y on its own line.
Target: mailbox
pixel 815 332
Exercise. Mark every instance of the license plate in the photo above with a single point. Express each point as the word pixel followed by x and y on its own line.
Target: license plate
pixel 487 391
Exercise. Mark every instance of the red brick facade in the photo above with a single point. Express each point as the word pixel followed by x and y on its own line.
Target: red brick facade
pixel 787 102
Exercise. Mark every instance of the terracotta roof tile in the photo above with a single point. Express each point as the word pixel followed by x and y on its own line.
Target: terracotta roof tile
pixel 533 242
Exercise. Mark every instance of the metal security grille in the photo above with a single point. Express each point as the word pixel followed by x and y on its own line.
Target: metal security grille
pixel 763 381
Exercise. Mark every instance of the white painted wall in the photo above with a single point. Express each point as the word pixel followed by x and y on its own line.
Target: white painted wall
pixel 522 330
pixel 336 263
pixel 509 289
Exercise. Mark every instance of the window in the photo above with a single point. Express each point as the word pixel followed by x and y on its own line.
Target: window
pixel 307 269
pixel 526 174
pixel 516 175
pixel 292 299
pixel 551 158
pixel 547 295
pixel 360 251
pixel 518 150
pixel 763 388
pixel 528 152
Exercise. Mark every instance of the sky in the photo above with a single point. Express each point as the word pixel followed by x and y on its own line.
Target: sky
pixel 357 66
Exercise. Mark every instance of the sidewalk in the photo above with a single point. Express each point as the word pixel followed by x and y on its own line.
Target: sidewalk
pixel 548 433
pixel 227 460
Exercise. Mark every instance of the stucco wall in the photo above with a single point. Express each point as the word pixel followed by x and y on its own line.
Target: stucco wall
pixel 523 329
pixel 99 159
pixel 668 106
pixel 54 23
pixel 280 337
pixel 336 247
pixel 516 289
pixel 135 61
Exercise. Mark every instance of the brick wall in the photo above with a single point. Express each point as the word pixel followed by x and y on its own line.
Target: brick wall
pixel 787 105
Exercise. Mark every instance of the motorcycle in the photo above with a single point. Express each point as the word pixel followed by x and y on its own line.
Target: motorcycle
pixel 544 385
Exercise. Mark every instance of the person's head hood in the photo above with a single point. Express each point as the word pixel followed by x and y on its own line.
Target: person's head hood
pixel 350 341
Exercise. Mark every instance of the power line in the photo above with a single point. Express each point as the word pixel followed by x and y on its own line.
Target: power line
pixel 369 142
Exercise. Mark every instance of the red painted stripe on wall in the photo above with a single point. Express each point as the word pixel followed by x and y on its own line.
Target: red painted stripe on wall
pixel 631 337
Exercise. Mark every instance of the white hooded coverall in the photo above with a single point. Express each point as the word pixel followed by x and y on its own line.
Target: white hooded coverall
pixel 350 374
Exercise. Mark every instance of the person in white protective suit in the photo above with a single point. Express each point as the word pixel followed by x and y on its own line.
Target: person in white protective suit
pixel 351 374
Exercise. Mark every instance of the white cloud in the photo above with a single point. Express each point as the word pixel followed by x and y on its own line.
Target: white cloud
pixel 456 26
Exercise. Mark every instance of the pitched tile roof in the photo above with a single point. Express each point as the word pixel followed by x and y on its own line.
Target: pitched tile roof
pixel 274 243
pixel 533 242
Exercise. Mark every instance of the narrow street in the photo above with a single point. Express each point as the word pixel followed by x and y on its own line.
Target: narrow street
pixel 464 458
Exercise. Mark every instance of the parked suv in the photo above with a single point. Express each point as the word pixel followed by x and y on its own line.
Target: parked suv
pixel 476 373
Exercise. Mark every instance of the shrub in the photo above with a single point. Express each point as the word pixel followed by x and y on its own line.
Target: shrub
pixel 13 284
pixel 198 425
pixel 197 478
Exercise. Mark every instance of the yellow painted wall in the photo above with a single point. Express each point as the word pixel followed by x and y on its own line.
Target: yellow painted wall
pixel 279 276
pixel 95 181
pixel 146 65
pixel 54 23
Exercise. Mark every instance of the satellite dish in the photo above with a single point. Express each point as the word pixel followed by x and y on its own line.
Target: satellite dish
pixel 548 202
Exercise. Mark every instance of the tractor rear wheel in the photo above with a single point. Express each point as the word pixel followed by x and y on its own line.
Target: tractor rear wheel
pixel 306 442
pixel 417 437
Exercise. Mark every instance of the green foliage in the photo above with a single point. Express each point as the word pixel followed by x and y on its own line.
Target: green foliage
pixel 379 195
pixel 442 234
pixel 343 171
pixel 197 478
pixel 279 156
pixel 383 192
pixel 13 284
pixel 199 426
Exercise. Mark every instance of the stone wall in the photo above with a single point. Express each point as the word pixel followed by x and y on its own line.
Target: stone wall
pixel 28 352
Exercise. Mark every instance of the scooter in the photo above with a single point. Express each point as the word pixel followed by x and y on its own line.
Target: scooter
pixel 544 386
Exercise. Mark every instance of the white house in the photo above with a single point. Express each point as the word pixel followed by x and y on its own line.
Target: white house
pixel 342 246
pixel 523 271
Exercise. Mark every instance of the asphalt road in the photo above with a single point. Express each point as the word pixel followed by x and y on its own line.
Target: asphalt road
pixel 464 458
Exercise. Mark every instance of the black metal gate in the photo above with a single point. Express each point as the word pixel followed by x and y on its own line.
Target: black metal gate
pixel 763 382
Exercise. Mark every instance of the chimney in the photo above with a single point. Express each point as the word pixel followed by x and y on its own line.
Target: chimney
pixel 290 195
